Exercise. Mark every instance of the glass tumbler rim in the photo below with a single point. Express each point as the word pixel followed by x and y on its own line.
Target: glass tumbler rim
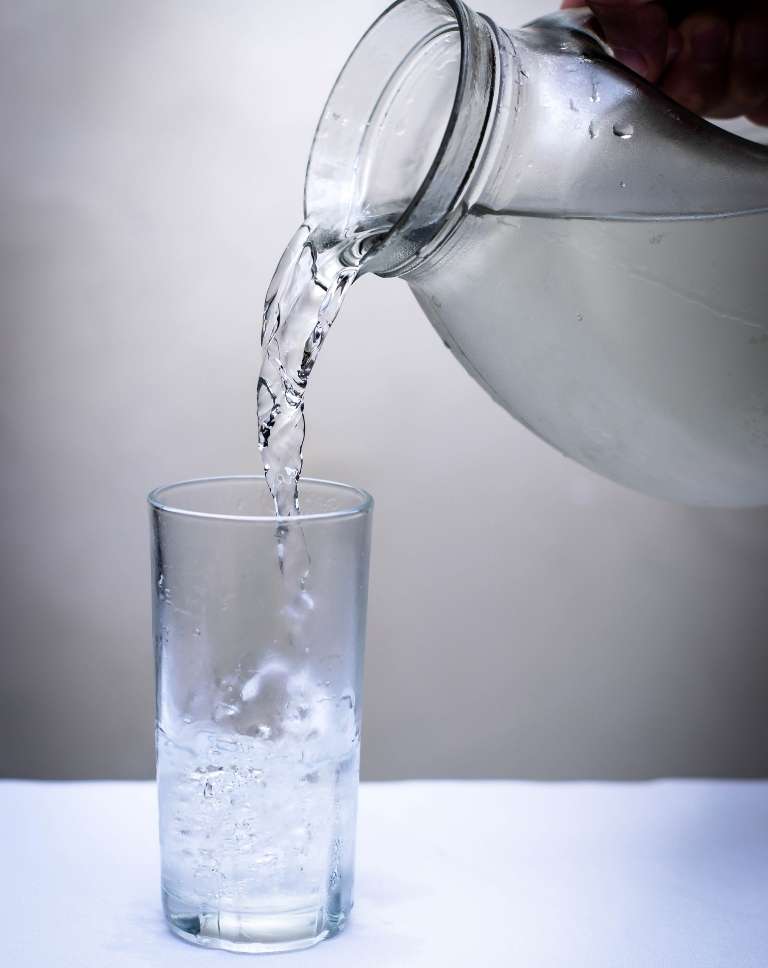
pixel 362 506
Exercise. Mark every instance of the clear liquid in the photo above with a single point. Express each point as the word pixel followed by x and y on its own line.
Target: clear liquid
pixel 257 808
pixel 258 831
pixel 639 348
pixel 303 299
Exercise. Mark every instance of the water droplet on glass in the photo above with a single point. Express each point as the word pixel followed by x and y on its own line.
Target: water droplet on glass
pixel 623 130
pixel 594 97
pixel 580 317
pixel 622 184
pixel 592 130
pixel 196 631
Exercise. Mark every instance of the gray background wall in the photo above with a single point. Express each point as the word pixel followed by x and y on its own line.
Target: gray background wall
pixel 151 170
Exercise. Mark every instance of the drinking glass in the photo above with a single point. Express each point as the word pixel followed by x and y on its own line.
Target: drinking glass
pixel 259 627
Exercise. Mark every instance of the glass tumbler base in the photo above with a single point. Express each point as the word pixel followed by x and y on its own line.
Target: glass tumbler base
pixel 250 932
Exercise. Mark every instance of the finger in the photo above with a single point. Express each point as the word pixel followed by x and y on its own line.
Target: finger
pixel 698 78
pixel 749 70
pixel 637 33
pixel 759 115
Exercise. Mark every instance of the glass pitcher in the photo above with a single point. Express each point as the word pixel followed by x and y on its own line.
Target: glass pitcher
pixel 592 253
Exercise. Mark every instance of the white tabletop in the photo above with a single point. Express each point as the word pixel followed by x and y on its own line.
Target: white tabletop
pixel 473 875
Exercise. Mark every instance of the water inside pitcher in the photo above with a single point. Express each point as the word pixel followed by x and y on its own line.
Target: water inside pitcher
pixel 589 250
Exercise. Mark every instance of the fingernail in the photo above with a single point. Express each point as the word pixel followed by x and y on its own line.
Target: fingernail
pixel 632 59
pixel 710 42
pixel 674 45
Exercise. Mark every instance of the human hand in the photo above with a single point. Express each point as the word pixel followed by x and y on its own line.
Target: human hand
pixel 712 60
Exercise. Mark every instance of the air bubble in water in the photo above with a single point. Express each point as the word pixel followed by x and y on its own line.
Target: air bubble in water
pixel 225 709
pixel 623 130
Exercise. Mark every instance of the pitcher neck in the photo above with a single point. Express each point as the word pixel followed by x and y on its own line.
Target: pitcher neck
pixel 405 128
